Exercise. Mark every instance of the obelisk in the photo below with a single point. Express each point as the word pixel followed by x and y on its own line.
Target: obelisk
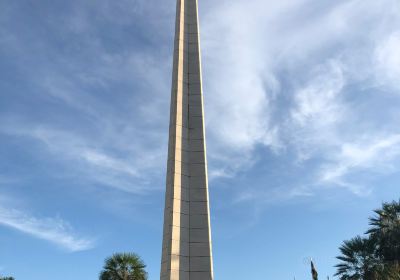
pixel 186 252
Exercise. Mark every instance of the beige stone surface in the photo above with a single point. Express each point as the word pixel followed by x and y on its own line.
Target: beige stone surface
pixel 186 251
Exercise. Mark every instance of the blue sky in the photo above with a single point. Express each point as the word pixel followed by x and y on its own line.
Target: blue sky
pixel 302 111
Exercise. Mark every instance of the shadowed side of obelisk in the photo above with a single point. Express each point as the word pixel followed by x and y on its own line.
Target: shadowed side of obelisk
pixel 187 237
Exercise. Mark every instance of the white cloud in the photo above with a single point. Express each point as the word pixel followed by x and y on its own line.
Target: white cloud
pixel 318 104
pixel 293 76
pixel 239 85
pixel 276 76
pixel 318 110
pixel 104 161
pixel 85 158
pixel 370 155
pixel 322 127
pixel 237 108
pixel 54 230
pixel 245 44
pixel 110 125
pixel 388 60
pixel 219 173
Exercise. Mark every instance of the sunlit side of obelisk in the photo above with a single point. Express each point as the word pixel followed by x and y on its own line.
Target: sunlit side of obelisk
pixel 187 252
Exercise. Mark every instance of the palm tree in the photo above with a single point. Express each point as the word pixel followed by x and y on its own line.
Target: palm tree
pixel 378 256
pixel 386 229
pixel 391 272
pixel 359 261
pixel 124 266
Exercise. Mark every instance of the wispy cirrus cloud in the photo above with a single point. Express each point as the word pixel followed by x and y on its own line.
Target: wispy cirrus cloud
pixel 302 79
pixel 109 113
pixel 318 105
pixel 89 160
pixel 369 155
pixel 287 77
pixel 317 112
pixel 54 230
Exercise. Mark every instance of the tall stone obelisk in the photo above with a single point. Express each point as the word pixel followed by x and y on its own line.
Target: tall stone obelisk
pixel 186 252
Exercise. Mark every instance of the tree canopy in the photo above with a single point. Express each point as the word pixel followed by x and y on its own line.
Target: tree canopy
pixel 124 266
pixel 376 256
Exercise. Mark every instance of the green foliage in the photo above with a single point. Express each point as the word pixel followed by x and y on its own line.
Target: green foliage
pixel 377 256
pixel 385 228
pixel 358 260
pixel 124 266
pixel 6 278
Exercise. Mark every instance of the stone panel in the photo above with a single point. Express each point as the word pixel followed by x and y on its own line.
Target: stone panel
pixel 197 182
pixel 199 249
pixel 194 89
pixel 198 208
pixel 200 275
pixel 195 111
pixel 192 28
pixel 196 145
pixel 196 195
pixel 196 133
pixel 200 264
pixel 197 170
pixel 195 99
pixel 198 221
pixel 195 122
pixel 199 235
pixel 197 157
pixel 194 78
